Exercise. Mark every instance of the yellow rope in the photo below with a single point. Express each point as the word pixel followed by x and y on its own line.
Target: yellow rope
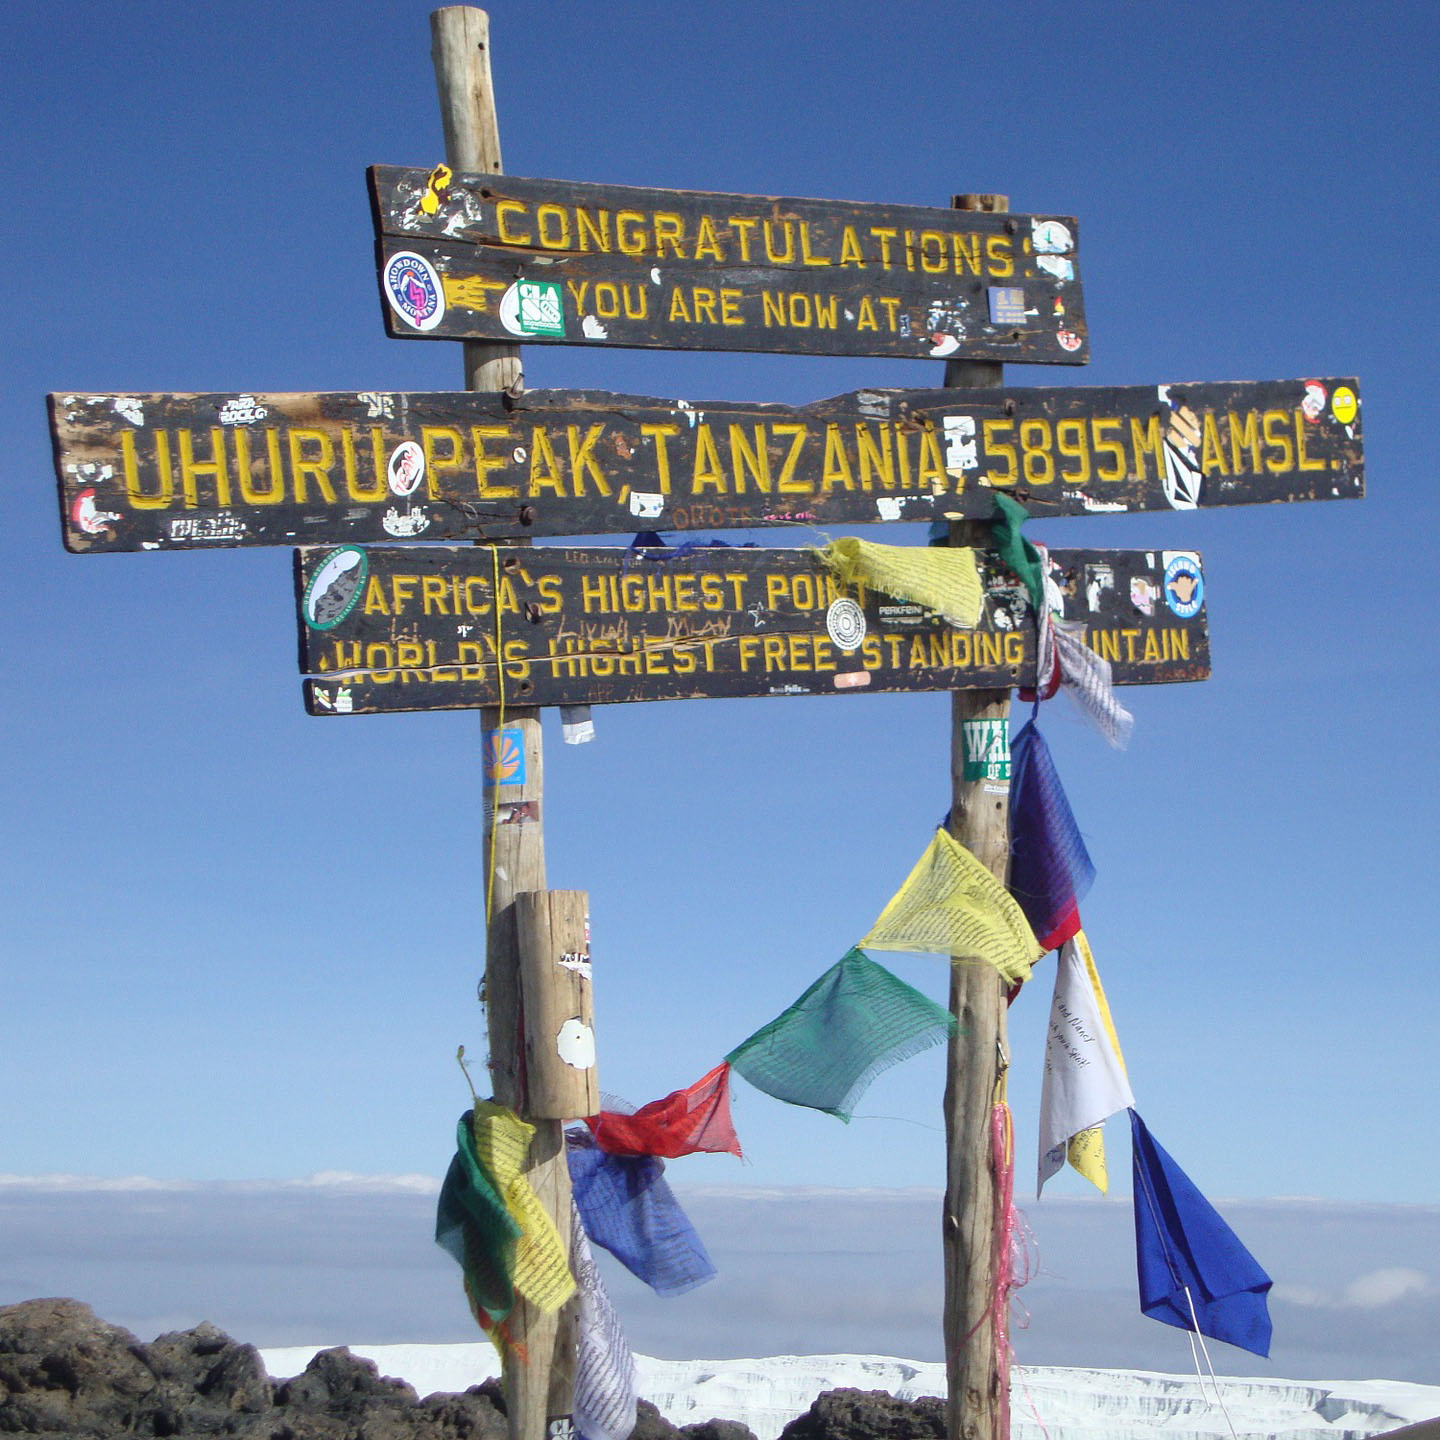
pixel 499 730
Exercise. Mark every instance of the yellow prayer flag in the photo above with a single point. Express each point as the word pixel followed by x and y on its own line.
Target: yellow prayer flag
pixel 1085 1080
pixel 950 904
pixel 1086 1153
pixel 1101 1004
pixel 542 1268
pixel 941 579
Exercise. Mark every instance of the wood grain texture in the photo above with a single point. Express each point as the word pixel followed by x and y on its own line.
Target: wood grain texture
pixel 553 930
pixel 977 1362
pixel 460 49
pixel 538 1372
pixel 203 471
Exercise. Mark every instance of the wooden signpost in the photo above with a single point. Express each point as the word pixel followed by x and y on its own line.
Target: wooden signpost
pixel 417 628
pixel 466 252
pixel 498 257
pixel 189 471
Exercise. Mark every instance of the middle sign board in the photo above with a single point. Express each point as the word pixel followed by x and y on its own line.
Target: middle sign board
pixel 420 627
pixel 147 472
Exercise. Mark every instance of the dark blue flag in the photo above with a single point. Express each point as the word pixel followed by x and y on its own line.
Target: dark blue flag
pixel 1194 1272
pixel 1050 868
pixel 628 1208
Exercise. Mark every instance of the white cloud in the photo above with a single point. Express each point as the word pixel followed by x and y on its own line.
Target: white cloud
pixel 1372 1290
pixel 1385 1287
pixel 87 1183
pixel 1306 1295
pixel 346 1180
pixel 332 1180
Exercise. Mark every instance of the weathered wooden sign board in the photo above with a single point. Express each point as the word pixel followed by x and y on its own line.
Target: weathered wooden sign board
pixel 185 471
pixel 559 262
pixel 415 627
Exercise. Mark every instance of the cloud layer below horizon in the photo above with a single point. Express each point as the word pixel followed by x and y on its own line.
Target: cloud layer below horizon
pixel 344 1258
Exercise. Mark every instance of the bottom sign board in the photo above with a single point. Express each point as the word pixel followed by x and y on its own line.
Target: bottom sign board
pixel 440 628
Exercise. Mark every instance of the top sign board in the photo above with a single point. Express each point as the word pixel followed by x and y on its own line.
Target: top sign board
pixel 558 262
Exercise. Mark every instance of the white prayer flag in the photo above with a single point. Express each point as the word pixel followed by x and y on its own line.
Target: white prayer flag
pixel 1085 1079
pixel 605 1385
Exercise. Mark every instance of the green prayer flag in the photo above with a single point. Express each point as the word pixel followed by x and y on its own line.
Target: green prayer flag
pixel 473 1224
pixel 1014 549
pixel 856 1020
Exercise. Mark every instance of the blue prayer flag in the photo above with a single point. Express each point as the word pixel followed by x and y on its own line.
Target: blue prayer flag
pixel 1050 868
pixel 628 1208
pixel 1182 1245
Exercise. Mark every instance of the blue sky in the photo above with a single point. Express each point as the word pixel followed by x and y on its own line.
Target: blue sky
pixel 238 942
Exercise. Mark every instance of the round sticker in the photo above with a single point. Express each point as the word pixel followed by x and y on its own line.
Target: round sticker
pixel 1343 404
pixel 1312 402
pixel 83 513
pixel 845 621
pixel 406 469
pixel 1184 586
pixel 1051 237
pixel 1068 339
pixel 413 288
pixel 335 587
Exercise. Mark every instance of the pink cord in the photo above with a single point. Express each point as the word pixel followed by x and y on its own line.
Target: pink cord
pixel 1010 1255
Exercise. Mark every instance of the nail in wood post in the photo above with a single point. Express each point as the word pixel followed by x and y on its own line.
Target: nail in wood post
pixel 978 1377
pixel 538 1379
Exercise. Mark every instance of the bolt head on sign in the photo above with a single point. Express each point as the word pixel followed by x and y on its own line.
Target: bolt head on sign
pixel 987 749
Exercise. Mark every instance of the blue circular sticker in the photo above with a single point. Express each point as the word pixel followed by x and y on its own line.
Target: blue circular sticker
pixel 413 288
pixel 1184 586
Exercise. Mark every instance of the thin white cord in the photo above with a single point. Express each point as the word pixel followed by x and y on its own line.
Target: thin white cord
pixel 1194 1331
pixel 1214 1380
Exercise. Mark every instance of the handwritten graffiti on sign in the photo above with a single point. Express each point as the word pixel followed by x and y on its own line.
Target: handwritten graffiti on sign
pixel 500 257
pixel 189 471
pixel 423 626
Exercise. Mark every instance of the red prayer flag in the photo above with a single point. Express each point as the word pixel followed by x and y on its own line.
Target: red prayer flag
pixel 697 1118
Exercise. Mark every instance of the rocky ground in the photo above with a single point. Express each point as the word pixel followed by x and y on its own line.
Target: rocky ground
pixel 65 1372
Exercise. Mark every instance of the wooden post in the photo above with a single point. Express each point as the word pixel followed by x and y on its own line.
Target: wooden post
pixel 538 1378
pixel 978 1375
pixel 460 48
pixel 553 929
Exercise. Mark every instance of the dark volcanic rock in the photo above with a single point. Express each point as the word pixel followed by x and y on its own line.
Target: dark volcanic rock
pixel 868 1415
pixel 207 1361
pixel 717 1430
pixel 63 1372
pixel 650 1424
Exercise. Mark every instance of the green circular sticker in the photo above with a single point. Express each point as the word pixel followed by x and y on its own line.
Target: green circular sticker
pixel 335 588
